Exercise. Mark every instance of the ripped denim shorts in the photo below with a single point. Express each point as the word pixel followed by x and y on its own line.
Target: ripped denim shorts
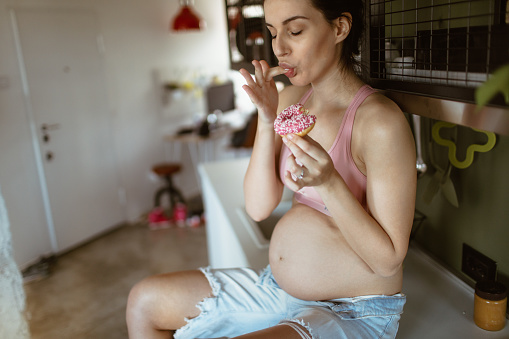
pixel 245 302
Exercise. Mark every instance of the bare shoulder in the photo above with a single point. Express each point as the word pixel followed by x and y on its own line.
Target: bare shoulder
pixel 382 135
pixel 380 117
pixel 291 95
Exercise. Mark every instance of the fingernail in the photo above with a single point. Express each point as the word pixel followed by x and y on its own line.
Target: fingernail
pixel 290 136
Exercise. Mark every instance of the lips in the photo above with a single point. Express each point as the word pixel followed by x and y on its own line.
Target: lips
pixel 290 71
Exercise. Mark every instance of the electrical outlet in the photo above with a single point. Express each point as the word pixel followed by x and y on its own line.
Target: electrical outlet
pixel 478 266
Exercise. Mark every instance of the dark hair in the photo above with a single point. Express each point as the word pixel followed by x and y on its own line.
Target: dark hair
pixel 333 9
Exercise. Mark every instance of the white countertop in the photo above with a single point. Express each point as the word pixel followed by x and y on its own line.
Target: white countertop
pixel 439 305
pixel 224 180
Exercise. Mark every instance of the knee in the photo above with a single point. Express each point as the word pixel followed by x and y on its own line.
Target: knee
pixel 166 300
pixel 139 300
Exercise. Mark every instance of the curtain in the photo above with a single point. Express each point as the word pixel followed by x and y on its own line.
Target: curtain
pixel 12 296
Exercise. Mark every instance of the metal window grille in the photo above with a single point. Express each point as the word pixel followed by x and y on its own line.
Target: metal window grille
pixel 436 46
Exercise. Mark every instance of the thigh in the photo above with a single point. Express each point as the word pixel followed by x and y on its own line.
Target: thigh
pixel 290 331
pixel 323 324
pixel 361 317
pixel 166 300
pixel 244 302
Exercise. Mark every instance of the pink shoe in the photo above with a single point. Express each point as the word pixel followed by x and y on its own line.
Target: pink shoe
pixel 180 214
pixel 157 219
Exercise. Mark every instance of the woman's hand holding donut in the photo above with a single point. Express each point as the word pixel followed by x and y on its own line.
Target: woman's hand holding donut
pixel 308 165
pixel 262 89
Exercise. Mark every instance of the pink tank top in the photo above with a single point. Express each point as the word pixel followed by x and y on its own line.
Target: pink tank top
pixel 341 155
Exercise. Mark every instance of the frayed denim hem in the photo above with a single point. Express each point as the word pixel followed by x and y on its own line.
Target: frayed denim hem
pixel 202 305
pixel 214 284
pixel 292 323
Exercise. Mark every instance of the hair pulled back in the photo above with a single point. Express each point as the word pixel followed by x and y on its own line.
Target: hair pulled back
pixel 333 9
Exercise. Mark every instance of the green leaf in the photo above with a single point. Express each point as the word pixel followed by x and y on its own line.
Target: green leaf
pixel 498 82
pixel 449 192
pixel 433 187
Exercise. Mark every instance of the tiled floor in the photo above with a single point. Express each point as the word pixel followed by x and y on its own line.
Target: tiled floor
pixel 86 295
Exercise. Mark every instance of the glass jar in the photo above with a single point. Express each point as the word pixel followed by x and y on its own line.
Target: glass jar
pixel 490 305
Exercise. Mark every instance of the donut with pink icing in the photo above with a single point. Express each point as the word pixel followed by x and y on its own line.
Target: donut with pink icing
pixel 294 120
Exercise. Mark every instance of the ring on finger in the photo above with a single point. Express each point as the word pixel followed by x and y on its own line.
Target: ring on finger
pixel 301 176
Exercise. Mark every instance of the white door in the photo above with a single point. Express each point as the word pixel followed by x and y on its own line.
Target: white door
pixel 62 59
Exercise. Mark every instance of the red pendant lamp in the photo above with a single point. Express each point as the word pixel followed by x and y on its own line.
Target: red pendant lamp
pixel 187 19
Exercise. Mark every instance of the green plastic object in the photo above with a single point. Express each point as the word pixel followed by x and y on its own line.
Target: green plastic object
pixel 492 139
pixel 498 82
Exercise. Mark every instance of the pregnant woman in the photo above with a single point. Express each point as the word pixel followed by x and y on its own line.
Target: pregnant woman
pixel 336 256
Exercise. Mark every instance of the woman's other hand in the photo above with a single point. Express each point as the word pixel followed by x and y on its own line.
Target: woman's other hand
pixel 308 165
pixel 262 89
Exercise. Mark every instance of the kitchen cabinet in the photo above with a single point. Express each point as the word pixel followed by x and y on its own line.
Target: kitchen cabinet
pixel 229 241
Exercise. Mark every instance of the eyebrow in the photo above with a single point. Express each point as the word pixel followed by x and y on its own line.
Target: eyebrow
pixel 285 22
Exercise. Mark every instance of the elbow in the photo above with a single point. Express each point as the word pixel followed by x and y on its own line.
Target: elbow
pixel 390 267
pixel 260 209
pixel 257 214
pixel 388 270
pixel 390 263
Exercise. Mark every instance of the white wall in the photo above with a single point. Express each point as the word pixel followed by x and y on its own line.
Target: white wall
pixel 138 45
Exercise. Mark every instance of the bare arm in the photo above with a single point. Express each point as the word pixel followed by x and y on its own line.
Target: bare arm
pixel 262 187
pixel 379 237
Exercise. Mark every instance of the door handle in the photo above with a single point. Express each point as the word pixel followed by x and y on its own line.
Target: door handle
pixel 49 127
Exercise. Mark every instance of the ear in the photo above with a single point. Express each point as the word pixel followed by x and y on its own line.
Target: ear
pixel 342 26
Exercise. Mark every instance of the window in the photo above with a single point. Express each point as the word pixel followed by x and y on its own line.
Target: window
pixel 439 48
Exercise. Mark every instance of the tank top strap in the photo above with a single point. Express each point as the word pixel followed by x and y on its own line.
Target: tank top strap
pixel 349 117
pixel 361 95
pixel 306 96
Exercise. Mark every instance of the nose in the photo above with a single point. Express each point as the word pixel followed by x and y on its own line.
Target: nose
pixel 280 47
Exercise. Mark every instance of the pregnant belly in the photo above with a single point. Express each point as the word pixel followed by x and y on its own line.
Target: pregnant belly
pixel 311 260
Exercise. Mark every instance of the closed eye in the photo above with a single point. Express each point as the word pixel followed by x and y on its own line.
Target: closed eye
pixel 292 33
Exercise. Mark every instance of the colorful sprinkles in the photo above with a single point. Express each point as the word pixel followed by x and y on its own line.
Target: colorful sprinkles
pixel 293 120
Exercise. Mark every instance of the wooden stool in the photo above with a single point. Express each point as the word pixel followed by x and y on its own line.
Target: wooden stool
pixel 166 170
